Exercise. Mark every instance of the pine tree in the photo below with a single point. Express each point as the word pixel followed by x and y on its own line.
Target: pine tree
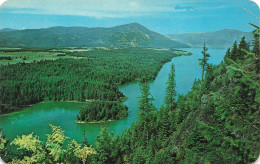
pixel 146 115
pixel 227 55
pixel 163 124
pixel 145 100
pixel 234 51
pixel 181 106
pixel 170 90
pixel 203 62
pixel 243 45
pixel 256 48
pixel 104 144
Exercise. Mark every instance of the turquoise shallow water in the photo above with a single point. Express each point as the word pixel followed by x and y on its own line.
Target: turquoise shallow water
pixel 38 117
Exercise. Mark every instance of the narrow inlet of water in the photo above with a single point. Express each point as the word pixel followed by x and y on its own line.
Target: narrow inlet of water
pixel 38 117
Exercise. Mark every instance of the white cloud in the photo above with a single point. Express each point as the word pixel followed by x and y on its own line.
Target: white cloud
pixel 2 1
pixel 96 8
pixel 134 4
pixel 109 8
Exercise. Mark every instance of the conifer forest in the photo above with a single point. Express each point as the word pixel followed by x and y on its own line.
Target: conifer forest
pixel 131 102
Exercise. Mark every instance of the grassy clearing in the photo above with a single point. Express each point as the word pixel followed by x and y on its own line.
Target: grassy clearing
pixel 19 55
pixel 30 56
pixel 27 57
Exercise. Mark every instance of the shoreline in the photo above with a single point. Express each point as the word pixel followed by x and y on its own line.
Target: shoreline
pixel 176 52
pixel 92 122
pixel 97 122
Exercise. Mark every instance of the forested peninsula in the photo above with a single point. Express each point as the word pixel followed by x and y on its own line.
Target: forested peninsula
pixel 216 122
pixel 79 75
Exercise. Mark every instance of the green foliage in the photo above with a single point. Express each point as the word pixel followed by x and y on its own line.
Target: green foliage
pixel 54 144
pixel 128 35
pixel 166 123
pixel 96 111
pixel 216 122
pixel 224 127
pixel 243 45
pixel 32 150
pixel 234 51
pixel 217 39
pixel 238 52
pixel 79 151
pixel 182 109
pixel 95 75
pixel 203 62
pixel 170 90
pixel 145 100
pixel 256 48
pixel 28 149
pixel 107 147
pixel 3 144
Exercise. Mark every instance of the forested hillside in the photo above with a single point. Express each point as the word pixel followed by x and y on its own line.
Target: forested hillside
pixel 91 75
pixel 128 35
pixel 216 122
pixel 7 30
pixel 100 111
pixel 218 39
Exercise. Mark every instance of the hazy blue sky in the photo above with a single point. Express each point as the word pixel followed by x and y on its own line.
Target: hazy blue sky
pixel 164 16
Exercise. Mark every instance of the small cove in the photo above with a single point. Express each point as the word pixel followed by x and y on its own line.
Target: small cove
pixel 37 117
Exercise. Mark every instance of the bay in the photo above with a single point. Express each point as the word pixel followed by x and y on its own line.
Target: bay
pixel 37 118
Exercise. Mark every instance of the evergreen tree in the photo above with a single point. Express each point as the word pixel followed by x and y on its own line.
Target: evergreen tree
pixel 145 100
pixel 182 109
pixel 228 52
pixel 243 45
pixel 170 90
pixel 234 51
pixel 164 124
pixel 104 144
pixel 147 113
pixel 256 48
pixel 203 62
pixel 227 55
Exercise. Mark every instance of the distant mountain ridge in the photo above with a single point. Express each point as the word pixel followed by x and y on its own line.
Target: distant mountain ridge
pixel 218 39
pixel 7 30
pixel 128 35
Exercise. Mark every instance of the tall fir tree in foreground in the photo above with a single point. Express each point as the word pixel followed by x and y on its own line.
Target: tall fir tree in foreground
pixel 147 112
pixel 243 45
pixel 256 44
pixel 145 100
pixel 234 51
pixel 170 90
pixel 203 62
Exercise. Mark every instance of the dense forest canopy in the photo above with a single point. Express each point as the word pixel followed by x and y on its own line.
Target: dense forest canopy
pixel 127 35
pixel 218 39
pixel 92 74
pixel 96 111
pixel 216 122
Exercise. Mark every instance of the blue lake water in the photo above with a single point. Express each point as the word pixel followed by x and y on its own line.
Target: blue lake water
pixel 38 117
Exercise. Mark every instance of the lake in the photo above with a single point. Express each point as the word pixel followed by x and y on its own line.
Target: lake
pixel 38 117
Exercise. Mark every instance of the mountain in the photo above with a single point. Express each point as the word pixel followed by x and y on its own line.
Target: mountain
pixel 7 30
pixel 129 35
pixel 218 39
